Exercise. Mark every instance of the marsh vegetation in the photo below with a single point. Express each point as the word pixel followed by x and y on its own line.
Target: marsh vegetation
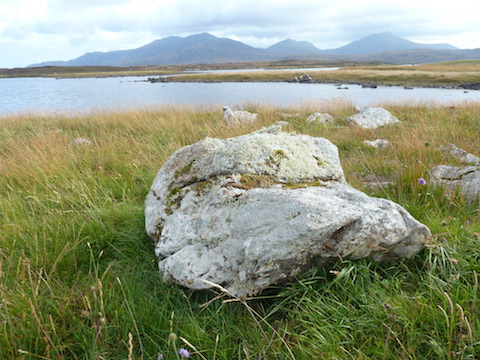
pixel 78 276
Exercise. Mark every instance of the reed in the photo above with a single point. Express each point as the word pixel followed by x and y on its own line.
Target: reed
pixel 78 276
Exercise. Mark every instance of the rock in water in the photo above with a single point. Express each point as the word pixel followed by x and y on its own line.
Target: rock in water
pixel 252 211
pixel 373 117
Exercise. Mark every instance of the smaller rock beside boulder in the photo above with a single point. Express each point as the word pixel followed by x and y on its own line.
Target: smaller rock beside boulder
pixel 237 117
pixel 379 143
pixel 464 178
pixel 320 117
pixel 373 117
pixel 461 154
pixel 80 142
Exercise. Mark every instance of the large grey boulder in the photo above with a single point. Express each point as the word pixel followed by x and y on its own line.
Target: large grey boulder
pixel 255 210
pixel 373 117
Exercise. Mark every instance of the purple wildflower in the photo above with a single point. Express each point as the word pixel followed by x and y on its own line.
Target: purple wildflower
pixel 422 181
pixel 160 357
pixel 184 352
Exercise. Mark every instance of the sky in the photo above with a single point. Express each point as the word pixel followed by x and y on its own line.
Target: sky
pixel 34 31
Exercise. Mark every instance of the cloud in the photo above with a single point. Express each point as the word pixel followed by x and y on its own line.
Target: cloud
pixel 66 29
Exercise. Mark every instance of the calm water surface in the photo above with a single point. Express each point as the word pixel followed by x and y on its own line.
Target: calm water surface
pixel 80 95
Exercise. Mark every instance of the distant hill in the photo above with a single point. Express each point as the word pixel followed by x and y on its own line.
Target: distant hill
pixel 174 50
pixel 419 56
pixel 379 43
pixel 290 46
pixel 207 49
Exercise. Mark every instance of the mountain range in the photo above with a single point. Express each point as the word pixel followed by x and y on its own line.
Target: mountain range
pixel 208 49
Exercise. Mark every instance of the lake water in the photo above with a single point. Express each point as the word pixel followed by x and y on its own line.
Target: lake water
pixel 80 95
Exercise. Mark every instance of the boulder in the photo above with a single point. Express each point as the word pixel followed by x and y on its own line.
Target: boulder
pixel 379 143
pixel 373 117
pixel 237 117
pixel 320 117
pixel 255 210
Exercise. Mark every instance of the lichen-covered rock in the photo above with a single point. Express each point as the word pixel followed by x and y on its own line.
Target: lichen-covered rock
pixel 255 210
pixel 373 117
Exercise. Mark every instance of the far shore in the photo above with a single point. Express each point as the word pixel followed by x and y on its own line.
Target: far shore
pixel 458 74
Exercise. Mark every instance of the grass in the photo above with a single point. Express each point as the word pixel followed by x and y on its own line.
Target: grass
pixel 78 276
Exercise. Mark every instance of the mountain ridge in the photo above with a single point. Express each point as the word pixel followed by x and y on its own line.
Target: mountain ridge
pixel 385 41
pixel 204 48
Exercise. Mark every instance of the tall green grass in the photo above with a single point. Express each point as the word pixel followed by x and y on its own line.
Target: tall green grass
pixel 78 276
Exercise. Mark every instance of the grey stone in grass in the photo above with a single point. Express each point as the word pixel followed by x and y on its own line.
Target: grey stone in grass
pixel 378 143
pixel 256 210
pixel 80 142
pixel 373 117
pixel 462 155
pixel 320 117
pixel 466 179
pixel 238 117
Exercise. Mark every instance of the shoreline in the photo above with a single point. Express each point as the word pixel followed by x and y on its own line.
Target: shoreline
pixel 447 75
pixel 365 84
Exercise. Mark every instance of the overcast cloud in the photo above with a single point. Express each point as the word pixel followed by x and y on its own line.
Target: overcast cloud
pixel 33 31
